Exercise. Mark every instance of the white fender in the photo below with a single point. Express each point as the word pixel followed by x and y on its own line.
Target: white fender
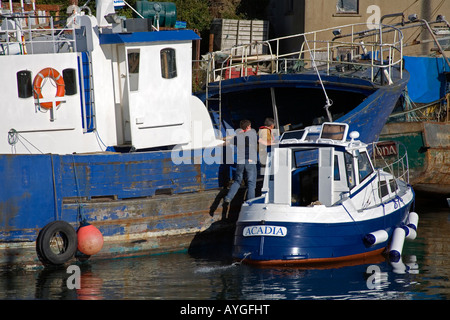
pixel 376 237
pixel 413 220
pixel 398 239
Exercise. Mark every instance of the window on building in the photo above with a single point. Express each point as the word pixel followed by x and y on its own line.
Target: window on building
pixel 168 63
pixel 347 6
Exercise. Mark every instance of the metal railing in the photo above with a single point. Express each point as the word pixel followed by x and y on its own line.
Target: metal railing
pixel 392 157
pixel 350 47
pixel 19 35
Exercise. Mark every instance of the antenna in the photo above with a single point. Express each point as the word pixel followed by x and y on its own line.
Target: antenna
pixel 329 102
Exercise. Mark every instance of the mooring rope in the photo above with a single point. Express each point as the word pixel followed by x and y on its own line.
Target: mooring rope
pixel 14 136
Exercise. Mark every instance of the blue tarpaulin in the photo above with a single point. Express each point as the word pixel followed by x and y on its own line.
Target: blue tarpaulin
pixel 427 82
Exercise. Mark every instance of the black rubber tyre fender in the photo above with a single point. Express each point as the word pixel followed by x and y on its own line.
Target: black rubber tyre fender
pixel 65 236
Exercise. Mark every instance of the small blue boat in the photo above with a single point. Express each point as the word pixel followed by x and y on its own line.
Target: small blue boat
pixel 324 202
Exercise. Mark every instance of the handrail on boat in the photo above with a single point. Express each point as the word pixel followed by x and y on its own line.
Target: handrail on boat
pixel 396 164
pixel 21 30
pixel 350 48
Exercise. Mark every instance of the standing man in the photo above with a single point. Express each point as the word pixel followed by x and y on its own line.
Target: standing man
pixel 246 141
pixel 266 140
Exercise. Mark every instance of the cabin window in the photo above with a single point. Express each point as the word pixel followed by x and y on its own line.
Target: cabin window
pixel 393 185
pixel 347 6
pixel 350 170
pixel 364 167
pixel 168 63
pixel 333 132
pixel 133 69
pixel 383 189
pixel 337 174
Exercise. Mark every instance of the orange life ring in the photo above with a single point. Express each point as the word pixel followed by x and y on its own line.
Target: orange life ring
pixel 37 86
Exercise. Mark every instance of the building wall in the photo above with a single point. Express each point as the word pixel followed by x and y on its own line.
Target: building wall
pixel 297 16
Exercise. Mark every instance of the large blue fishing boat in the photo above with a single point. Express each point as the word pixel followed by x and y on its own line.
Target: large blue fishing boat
pixel 99 125
pixel 324 202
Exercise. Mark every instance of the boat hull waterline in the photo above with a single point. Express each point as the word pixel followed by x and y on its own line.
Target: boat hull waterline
pixel 313 243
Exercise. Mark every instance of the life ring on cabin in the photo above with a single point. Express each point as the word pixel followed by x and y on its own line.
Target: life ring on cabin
pixel 37 86
pixel 56 243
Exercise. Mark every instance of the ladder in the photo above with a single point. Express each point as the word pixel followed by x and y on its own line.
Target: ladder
pixel 87 93
pixel 214 104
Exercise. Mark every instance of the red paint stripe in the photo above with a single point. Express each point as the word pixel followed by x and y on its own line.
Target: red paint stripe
pixel 366 257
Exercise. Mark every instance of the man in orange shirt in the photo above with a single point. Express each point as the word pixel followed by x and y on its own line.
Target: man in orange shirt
pixel 266 140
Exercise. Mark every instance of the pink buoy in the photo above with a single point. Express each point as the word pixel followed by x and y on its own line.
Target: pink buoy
pixel 90 240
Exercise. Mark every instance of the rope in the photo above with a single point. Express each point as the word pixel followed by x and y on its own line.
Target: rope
pixel 14 137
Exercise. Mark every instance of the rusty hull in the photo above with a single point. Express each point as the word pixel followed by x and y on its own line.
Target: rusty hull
pixel 428 145
pixel 160 224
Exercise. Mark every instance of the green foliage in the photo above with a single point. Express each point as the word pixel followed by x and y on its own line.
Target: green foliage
pixel 195 13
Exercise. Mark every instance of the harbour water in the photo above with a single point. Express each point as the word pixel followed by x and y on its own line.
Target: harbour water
pixel 212 275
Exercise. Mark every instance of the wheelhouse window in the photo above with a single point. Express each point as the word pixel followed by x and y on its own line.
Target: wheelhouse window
pixel 133 69
pixel 364 166
pixel 168 63
pixel 350 170
pixel 337 174
pixel 383 188
pixel 393 185
pixel 347 6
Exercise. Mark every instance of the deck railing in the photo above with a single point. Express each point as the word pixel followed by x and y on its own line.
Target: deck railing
pixel 339 49
pixel 20 34
pixel 392 157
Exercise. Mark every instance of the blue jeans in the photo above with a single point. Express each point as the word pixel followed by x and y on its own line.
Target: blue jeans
pixel 250 169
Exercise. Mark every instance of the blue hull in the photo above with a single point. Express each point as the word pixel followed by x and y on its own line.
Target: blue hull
pixel 136 196
pixel 314 243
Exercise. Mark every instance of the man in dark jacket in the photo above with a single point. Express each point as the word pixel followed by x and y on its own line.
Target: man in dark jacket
pixel 246 141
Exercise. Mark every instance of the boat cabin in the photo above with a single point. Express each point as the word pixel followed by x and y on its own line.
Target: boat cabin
pixel 318 165
pixel 90 85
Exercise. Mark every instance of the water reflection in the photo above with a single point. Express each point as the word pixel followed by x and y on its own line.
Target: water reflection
pixel 422 273
pixel 410 266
